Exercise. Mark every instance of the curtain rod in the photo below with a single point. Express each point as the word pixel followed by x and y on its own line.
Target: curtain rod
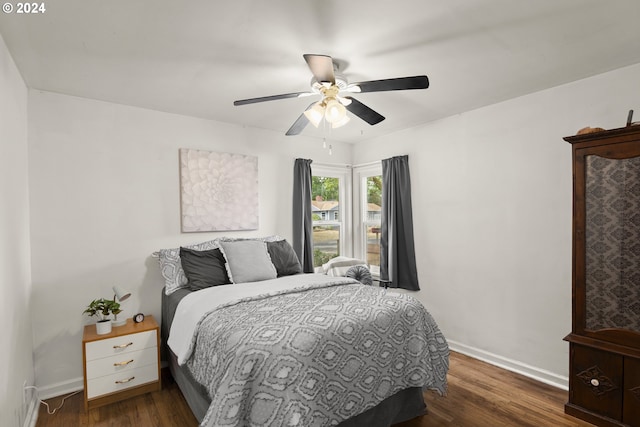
pixel 346 165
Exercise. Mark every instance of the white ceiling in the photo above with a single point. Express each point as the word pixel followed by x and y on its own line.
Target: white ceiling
pixel 196 57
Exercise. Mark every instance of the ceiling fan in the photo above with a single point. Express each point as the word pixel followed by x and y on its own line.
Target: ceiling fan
pixel 333 106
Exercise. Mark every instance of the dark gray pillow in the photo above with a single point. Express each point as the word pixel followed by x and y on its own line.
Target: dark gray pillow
pixel 284 258
pixel 203 268
pixel 360 273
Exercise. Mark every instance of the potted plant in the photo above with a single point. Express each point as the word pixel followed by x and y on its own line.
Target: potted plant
pixel 102 308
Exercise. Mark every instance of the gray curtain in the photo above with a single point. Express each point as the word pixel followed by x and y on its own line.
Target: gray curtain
pixel 302 221
pixel 397 252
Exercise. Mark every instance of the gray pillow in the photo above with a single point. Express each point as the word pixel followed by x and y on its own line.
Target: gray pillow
pixel 284 258
pixel 360 273
pixel 248 261
pixel 203 268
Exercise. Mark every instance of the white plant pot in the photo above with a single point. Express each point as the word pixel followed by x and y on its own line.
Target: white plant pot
pixel 103 327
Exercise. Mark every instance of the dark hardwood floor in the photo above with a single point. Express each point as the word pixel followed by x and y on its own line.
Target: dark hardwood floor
pixel 480 395
pixel 165 408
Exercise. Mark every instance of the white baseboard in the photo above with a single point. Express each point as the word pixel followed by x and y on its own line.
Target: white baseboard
pixel 533 372
pixel 32 412
pixel 61 388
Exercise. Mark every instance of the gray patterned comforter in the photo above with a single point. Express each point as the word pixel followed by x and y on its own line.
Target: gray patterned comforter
pixel 315 357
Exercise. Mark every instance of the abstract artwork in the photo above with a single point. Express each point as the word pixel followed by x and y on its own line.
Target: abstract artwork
pixel 219 191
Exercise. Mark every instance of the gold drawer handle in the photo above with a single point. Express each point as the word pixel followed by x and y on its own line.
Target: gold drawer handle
pixel 123 363
pixel 125 381
pixel 122 345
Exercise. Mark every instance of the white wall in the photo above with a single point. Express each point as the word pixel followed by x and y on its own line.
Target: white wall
pixel 104 184
pixel 492 216
pixel 16 339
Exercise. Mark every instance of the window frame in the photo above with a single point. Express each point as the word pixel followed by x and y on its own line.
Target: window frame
pixel 360 221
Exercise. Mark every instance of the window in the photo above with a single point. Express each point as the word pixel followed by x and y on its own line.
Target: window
pixel 368 202
pixel 372 220
pixel 331 207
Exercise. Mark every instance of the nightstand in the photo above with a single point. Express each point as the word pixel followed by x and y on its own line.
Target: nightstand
pixel 121 364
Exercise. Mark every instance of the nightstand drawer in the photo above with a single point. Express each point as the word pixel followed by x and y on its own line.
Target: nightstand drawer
pixel 120 345
pixel 121 381
pixel 122 362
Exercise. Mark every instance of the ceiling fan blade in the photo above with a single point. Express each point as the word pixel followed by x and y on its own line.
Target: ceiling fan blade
pixel 301 123
pixel 271 98
pixel 400 83
pixel 365 113
pixel 321 67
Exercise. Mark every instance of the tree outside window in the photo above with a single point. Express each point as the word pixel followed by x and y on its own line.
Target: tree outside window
pixel 326 215
pixel 372 216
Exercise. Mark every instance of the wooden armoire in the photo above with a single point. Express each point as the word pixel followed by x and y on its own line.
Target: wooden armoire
pixel 604 373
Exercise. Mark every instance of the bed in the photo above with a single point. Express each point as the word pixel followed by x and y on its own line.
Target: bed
pixel 292 348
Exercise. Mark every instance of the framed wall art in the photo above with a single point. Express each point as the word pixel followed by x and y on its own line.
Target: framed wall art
pixel 218 191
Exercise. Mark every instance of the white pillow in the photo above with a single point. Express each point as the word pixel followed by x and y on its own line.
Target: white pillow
pixel 339 265
pixel 247 261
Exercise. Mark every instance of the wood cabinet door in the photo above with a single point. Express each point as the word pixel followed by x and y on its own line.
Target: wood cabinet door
pixel 609 276
pixel 596 381
pixel 631 415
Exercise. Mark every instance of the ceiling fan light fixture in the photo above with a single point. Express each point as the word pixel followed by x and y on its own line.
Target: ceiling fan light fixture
pixel 344 100
pixel 315 114
pixel 334 111
pixel 341 122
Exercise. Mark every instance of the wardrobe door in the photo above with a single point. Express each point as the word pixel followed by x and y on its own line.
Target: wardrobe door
pixel 631 414
pixel 596 381
pixel 612 243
